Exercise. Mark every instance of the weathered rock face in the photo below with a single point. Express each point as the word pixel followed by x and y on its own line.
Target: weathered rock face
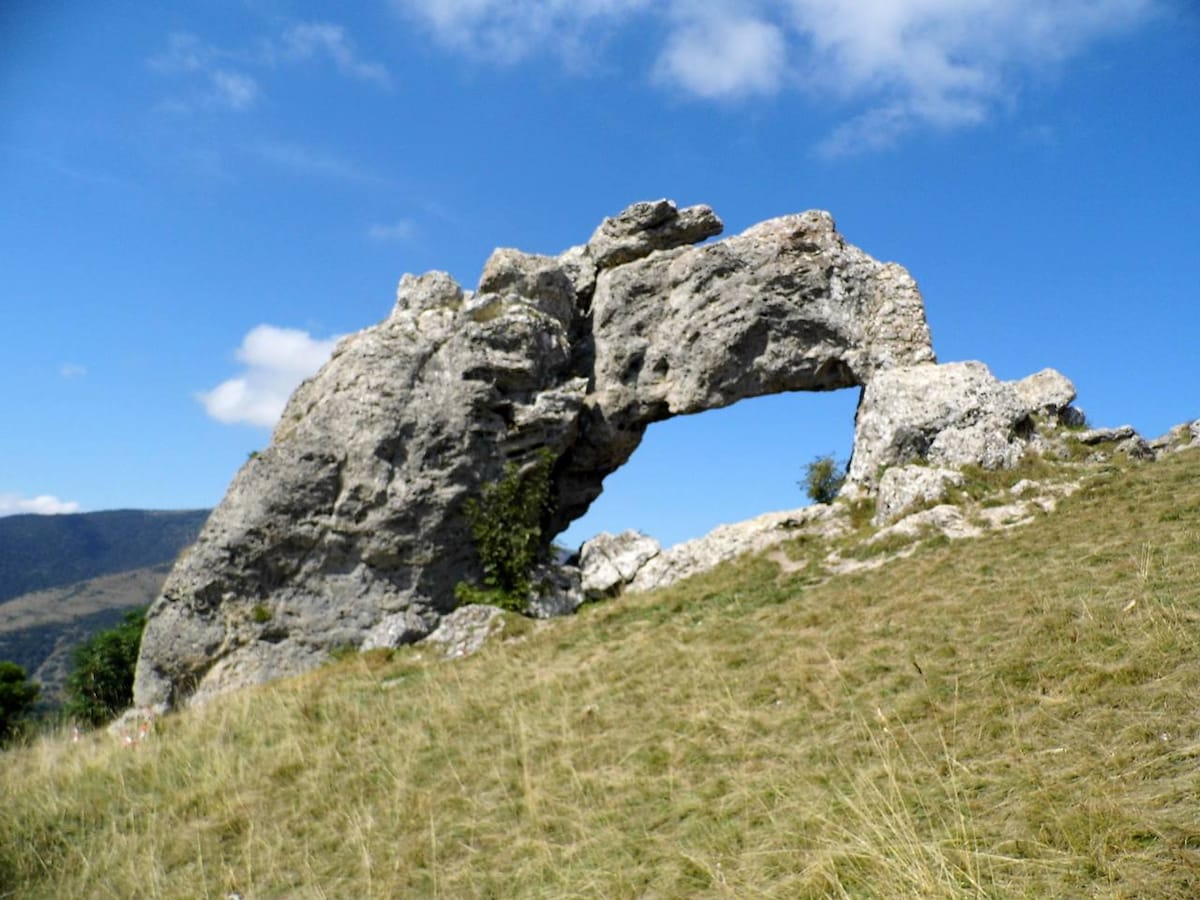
pixel 952 415
pixel 903 487
pixel 608 562
pixel 349 529
pixel 916 425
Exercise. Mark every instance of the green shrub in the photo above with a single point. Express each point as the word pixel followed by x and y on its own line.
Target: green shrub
pixel 823 478
pixel 507 521
pixel 17 696
pixel 100 684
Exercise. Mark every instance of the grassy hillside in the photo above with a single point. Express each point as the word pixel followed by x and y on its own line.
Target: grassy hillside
pixel 1011 716
pixel 38 552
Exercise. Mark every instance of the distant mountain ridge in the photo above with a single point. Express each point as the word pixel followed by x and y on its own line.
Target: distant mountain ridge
pixel 64 577
pixel 40 630
pixel 39 552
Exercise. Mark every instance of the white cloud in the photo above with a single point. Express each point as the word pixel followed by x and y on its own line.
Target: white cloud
pixel 233 89
pixel 401 230
pixel 307 40
pixel 876 129
pixel 42 505
pixel 938 63
pixel 276 361
pixel 719 56
pixel 894 65
pixel 72 370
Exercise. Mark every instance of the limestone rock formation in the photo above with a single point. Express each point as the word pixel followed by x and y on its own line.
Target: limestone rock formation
pixel 1185 436
pixel 916 425
pixel 462 632
pixel 348 530
pixel 728 542
pixel 903 487
pixel 1126 440
pixel 952 415
pixel 608 562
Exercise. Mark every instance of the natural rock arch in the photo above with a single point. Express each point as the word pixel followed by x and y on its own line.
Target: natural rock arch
pixel 692 473
pixel 348 529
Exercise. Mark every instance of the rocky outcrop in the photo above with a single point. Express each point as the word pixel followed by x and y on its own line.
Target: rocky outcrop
pixel 952 415
pixel 785 306
pixel 917 424
pixel 613 563
pixel 464 631
pixel 902 488
pixel 348 530
pixel 1123 438
pixel 608 562
pixel 1182 437
pixel 728 542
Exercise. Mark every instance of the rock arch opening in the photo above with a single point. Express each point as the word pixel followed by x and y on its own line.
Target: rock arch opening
pixel 692 473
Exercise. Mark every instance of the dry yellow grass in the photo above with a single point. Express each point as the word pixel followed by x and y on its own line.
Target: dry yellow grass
pixel 1014 716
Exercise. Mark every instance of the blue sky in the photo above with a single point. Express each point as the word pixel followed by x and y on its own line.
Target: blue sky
pixel 198 197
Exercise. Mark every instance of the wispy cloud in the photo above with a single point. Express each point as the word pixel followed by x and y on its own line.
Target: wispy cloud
pixel 234 90
pixel 220 85
pixel 184 53
pixel 895 65
pixel 307 162
pixel 72 370
pixel 315 39
pixel 510 30
pixel 220 77
pixel 42 505
pixel 276 360
pixel 401 230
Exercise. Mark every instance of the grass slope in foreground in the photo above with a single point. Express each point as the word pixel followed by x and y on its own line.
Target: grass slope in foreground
pixel 1013 716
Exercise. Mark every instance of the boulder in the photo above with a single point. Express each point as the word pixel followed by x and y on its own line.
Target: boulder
pixel 945 519
pixel 648 226
pixel 558 591
pixel 349 529
pixel 1124 438
pixel 903 487
pixel 949 415
pixel 397 629
pixel 610 561
pixel 465 631
pixel 1047 393
pixel 1093 436
pixel 1182 437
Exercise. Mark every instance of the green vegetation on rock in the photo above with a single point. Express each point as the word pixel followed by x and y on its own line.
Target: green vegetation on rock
pixel 507 522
